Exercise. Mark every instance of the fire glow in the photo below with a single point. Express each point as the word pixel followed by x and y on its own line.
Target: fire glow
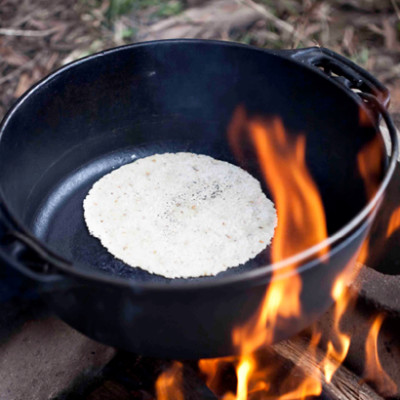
pixel 374 371
pixel 394 223
pixel 169 383
pixel 300 216
pixel 301 225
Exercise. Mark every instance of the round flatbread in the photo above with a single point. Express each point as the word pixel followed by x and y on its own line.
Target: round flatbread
pixel 180 215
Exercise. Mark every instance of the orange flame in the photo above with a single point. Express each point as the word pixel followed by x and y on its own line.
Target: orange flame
pixel 369 164
pixel 301 224
pixel 169 383
pixel 212 368
pixel 364 252
pixel 299 206
pixel 394 223
pixel 369 158
pixel 301 221
pixel 373 367
pixel 339 343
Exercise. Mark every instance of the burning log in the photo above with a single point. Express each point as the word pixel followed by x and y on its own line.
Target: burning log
pixel 344 385
pixel 132 377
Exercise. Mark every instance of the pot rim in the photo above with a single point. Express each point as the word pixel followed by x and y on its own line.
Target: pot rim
pixel 300 259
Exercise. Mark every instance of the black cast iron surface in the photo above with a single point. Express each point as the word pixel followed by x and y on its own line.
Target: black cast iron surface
pixel 94 115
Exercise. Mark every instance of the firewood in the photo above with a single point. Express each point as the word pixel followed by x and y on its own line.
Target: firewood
pixel 345 384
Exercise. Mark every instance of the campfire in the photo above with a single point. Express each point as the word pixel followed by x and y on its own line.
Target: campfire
pixel 258 372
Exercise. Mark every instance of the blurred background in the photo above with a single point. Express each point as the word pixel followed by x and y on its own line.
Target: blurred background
pixel 38 36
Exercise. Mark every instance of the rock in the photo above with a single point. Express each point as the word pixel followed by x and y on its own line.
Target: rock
pixel 45 357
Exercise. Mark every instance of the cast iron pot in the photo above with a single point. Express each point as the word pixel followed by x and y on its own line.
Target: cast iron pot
pixel 179 95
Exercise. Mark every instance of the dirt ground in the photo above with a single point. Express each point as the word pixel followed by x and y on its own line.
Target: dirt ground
pixel 38 36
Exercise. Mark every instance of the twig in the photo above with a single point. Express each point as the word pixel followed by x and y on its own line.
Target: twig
pixel 375 29
pixel 23 32
pixel 396 8
pixel 279 23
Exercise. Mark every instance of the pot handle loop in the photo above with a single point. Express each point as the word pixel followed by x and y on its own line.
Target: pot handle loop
pixel 358 81
pixel 25 252
pixel 341 69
